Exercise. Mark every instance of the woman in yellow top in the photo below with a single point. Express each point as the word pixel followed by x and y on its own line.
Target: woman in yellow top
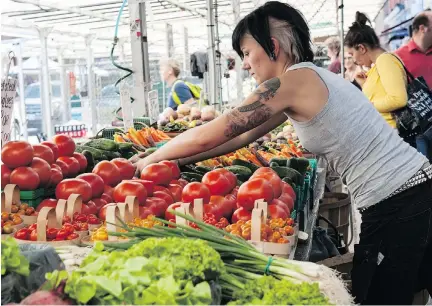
pixel 385 84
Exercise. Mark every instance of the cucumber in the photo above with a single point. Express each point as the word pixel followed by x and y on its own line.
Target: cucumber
pixel 90 160
pixel 300 164
pixel 243 173
pixel 128 155
pixel 202 169
pixel 97 154
pixel 103 144
pixel 189 176
pixel 125 146
pixel 111 155
pixel 283 162
pixel 274 165
pixel 282 171
pixel 288 181
pixel 295 176
pixel 250 166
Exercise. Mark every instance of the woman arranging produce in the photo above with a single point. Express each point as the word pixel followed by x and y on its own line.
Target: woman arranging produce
pixel 390 182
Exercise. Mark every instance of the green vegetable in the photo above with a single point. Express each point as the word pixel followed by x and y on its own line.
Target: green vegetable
pixel 283 162
pixel 294 176
pixel 189 176
pixel 243 173
pixel 300 164
pixel 151 150
pixel 268 290
pixel 111 154
pixel 97 154
pixel 11 258
pixel 125 146
pixel 90 160
pixel 103 144
pixel 240 162
pixel 202 169
pixel 273 165
pixel 282 171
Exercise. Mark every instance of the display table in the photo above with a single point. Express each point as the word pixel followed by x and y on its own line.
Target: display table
pixel 304 248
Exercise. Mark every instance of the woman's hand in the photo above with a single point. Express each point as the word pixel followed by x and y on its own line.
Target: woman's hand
pixel 361 77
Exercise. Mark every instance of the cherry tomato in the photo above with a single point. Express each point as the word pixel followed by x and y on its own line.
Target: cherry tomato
pixel 126 168
pixel 252 190
pixel 160 174
pixel 66 219
pixel 51 233
pixel 33 235
pixel 73 186
pixel 5 176
pixel 93 220
pixel 65 144
pixel 81 218
pixel 44 152
pixel 84 226
pixel 68 228
pixel 109 173
pixel 23 234
pixel 72 163
pixel 53 148
pixel 194 191
pixel 32 227
pixel 43 169
pixel 62 234
pixel 25 177
pixel 77 226
pixel 72 236
pixel 215 208
pixel 82 160
pixel 175 170
pixel 16 154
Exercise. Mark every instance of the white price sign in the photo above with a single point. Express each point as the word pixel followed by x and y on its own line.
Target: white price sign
pixel 8 93
pixel 153 105
pixel 125 101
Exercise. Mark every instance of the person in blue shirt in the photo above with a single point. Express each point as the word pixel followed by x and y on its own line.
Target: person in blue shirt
pixel 180 92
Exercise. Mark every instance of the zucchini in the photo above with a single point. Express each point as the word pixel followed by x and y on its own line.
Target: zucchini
pixel 202 169
pixel 283 162
pixel 128 155
pixel 189 176
pixel 103 144
pixel 294 176
pixel 282 171
pixel 288 181
pixel 243 173
pixel 300 164
pixel 250 166
pixel 90 160
pixel 125 146
pixel 97 154
pixel 111 154
pixel 274 165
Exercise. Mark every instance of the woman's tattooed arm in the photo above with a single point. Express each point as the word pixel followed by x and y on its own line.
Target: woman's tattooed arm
pixel 249 116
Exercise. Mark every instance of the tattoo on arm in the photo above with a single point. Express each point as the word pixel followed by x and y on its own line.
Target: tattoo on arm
pixel 241 122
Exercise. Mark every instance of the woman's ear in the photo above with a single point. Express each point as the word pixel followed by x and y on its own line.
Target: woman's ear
pixel 362 48
pixel 276 48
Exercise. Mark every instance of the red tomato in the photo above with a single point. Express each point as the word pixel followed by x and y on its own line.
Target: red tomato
pixel 25 177
pixel 130 188
pixel 65 144
pixel 5 176
pixel 16 154
pixel 144 212
pixel 158 173
pixel 108 190
pixel 107 198
pixel 148 185
pixel 127 170
pixel 43 170
pixel 93 220
pixel 53 148
pixel 264 170
pixel 234 192
pixel 99 202
pixel 275 211
pixel 177 182
pixel 230 204
pixel 168 214
pixel 175 170
pixel 55 178
pixel 72 236
pixel 66 219
pixel 43 152
pixel 102 211
pixel 165 196
pixel 62 234
pixel 287 200
pixel 217 183
pixel 32 227
pixel 183 182
pixel 252 190
pixel 68 228
pixel 176 191
pixel 63 166
pixel 33 235
pixel 282 205
pixel 73 165
pixel 215 208
pixel 96 183
pixel 241 214
pixel 82 160
pixel 23 234
pixel 163 189
pixel 157 206
pixel 69 186
pixel 55 166
pixel 229 175
pixel 47 203
pixel 109 173
pixel 273 179
pixel 194 191
pixel 287 188
pixel 89 208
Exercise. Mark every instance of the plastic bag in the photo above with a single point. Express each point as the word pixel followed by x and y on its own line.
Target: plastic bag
pixel 322 246
pixel 43 258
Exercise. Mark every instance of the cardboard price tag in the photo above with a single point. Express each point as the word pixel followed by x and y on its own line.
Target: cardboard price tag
pixel 8 93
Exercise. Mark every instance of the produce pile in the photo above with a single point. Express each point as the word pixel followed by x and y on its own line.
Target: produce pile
pixel 185 117
pixel 147 137
pixel 12 261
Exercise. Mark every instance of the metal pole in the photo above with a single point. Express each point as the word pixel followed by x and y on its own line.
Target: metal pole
pixel 90 85
pixel 169 40
pixel 22 107
pixel 211 53
pixel 63 87
pixel 186 58
pixel 238 61
pixel 342 37
pixel 218 56
pixel 45 85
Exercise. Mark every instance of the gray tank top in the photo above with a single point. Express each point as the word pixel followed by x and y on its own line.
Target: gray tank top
pixel 358 144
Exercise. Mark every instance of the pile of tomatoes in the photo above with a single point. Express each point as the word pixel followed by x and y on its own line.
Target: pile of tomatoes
pixel 42 165
pixel 66 232
pixel 23 209
pixel 8 221
pixel 80 222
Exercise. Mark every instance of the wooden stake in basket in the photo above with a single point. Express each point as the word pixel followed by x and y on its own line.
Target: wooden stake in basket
pixel 196 212
pixel 11 196
pixel 129 210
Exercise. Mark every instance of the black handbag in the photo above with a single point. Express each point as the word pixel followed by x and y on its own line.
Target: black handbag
pixel 416 116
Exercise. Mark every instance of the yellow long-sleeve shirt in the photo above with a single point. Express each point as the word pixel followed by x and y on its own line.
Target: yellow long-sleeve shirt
pixel 386 85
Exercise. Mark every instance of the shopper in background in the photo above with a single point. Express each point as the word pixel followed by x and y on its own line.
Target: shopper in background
pixel 333 51
pixel 180 92
pixel 417 53
pixel 390 182
pixel 385 84
pixel 351 70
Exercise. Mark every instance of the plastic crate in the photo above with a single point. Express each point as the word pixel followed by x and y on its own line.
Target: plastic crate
pixel 299 197
pixel 314 166
pixel 161 143
pixel 32 194
pixel 108 133
pixel 49 192
pixel 306 188
pixel 33 202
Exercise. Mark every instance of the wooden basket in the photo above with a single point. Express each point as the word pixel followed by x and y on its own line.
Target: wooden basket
pixel 69 208
pixel 47 216
pixel 196 212
pixel 10 196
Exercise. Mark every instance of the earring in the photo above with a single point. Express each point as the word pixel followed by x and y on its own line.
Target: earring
pixel 272 56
